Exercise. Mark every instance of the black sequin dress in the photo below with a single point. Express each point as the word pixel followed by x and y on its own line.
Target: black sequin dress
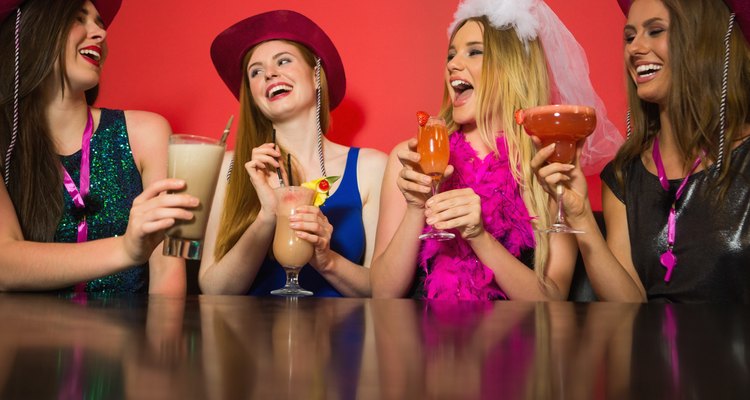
pixel 115 182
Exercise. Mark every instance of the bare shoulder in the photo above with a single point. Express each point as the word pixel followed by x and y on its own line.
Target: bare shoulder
pixel 372 158
pixel 370 169
pixel 149 135
pixel 148 124
pixel 371 166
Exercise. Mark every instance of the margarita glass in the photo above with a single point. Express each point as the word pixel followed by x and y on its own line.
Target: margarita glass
pixel 564 125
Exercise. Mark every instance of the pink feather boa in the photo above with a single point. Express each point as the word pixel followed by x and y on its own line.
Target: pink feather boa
pixel 453 270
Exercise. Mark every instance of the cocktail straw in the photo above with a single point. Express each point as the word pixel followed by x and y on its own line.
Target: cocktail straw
pixel 289 169
pixel 278 170
pixel 226 130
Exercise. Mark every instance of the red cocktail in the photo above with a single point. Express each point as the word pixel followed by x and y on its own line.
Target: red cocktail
pixel 563 125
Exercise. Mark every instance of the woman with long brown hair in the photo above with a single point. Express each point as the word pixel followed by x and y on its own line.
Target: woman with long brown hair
pixel 288 76
pixel 676 199
pixel 73 206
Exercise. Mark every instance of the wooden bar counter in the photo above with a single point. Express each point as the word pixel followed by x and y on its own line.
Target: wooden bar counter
pixel 237 347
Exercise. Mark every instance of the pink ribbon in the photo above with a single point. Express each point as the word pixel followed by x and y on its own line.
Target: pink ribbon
pixel 79 194
pixel 668 259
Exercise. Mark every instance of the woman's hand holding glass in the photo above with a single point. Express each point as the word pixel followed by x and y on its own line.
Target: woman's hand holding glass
pixel 310 224
pixel 262 171
pixel 414 185
pixel 153 213
pixel 568 178
pixel 459 209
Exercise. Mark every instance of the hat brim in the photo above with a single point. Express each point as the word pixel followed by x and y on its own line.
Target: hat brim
pixel 230 46
pixel 107 9
pixel 741 9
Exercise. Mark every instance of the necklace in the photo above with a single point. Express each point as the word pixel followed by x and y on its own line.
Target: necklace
pixel 668 259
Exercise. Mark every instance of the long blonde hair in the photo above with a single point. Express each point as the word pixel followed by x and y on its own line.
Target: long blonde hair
pixel 514 76
pixel 241 203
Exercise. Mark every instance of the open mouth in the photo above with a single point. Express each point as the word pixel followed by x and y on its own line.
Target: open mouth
pixel 278 90
pixel 647 70
pixel 462 88
pixel 92 54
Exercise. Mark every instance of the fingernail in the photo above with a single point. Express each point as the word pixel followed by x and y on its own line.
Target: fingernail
pixel 430 221
pixel 294 225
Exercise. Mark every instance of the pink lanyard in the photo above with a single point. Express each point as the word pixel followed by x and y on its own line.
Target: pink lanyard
pixel 77 195
pixel 668 259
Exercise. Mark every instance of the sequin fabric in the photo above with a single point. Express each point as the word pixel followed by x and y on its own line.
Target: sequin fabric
pixel 115 182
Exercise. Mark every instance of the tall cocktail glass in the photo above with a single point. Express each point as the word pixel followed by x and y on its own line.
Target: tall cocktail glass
pixel 288 249
pixel 197 161
pixel 433 147
pixel 564 125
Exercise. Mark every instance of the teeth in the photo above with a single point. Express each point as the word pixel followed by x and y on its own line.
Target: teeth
pixel 460 84
pixel 91 53
pixel 647 68
pixel 277 89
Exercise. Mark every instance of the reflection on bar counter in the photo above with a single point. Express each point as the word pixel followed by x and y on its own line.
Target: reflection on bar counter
pixel 236 347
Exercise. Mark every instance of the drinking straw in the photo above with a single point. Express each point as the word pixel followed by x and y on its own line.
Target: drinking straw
pixel 226 130
pixel 289 168
pixel 278 170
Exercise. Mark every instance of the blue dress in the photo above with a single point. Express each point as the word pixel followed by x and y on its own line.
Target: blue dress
pixel 344 212
pixel 115 182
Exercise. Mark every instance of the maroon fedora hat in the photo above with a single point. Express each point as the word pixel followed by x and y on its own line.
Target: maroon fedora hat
pixel 107 9
pixel 741 9
pixel 230 46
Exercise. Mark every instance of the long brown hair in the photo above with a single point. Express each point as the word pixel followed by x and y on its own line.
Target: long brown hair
pixel 241 203
pixel 696 56
pixel 514 76
pixel 35 177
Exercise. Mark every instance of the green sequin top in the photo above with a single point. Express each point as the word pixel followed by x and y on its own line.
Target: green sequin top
pixel 115 182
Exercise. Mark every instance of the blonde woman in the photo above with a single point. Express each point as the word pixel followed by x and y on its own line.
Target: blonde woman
pixel 496 64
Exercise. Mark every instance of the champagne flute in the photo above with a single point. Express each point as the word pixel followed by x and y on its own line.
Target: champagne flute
pixel 434 150
pixel 564 125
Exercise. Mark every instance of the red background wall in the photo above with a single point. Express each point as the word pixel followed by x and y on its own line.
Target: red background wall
pixel 393 52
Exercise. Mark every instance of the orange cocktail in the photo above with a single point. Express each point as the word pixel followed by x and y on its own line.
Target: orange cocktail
pixel 433 148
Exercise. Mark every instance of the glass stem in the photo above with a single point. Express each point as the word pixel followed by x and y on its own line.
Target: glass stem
pixel 292 277
pixel 560 212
